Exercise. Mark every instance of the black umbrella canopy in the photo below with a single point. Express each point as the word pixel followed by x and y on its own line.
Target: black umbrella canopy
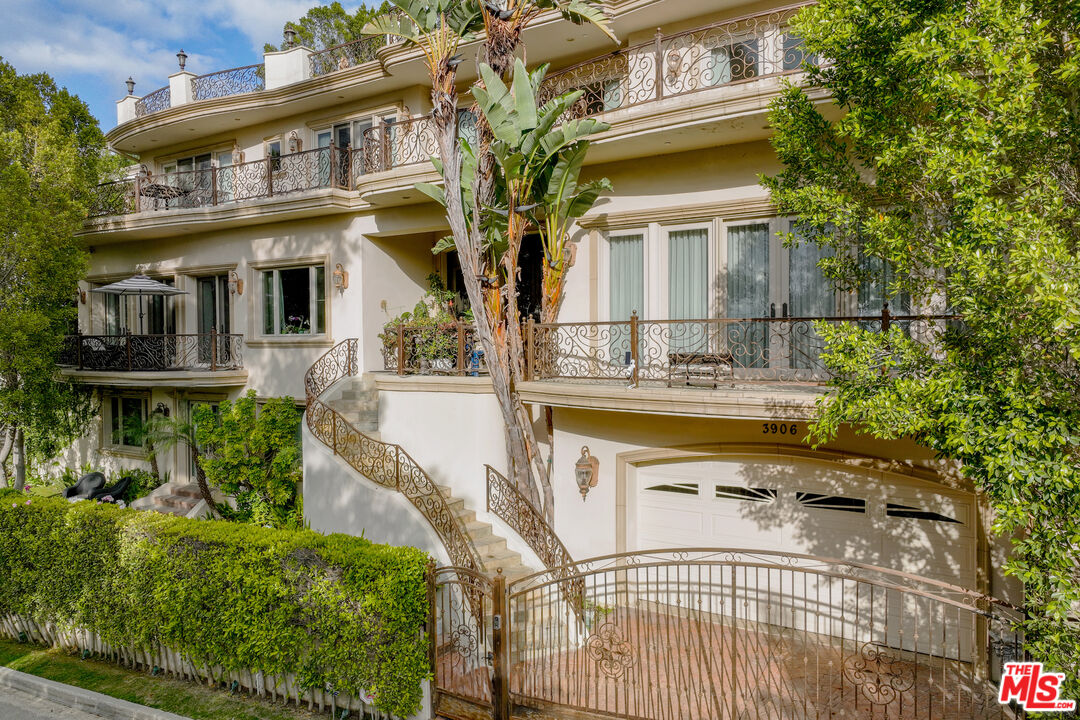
pixel 139 285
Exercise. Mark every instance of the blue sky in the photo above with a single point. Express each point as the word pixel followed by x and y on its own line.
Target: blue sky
pixel 92 47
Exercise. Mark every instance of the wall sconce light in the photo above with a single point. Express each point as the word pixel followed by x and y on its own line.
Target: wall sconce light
pixel 586 472
pixel 290 37
pixel 130 85
pixel 82 297
pixel 182 58
pixel 162 409
pixel 341 278
pixel 236 283
pixel 295 144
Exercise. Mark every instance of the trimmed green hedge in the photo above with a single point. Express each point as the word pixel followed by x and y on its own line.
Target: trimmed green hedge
pixel 335 610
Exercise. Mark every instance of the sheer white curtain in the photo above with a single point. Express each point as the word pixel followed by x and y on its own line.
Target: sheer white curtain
pixel 688 288
pixel 748 293
pixel 809 295
pixel 627 289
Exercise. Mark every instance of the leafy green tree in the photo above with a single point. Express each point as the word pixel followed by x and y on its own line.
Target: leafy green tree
pixel 253 454
pixel 51 156
pixel 324 26
pixel 476 190
pixel 955 160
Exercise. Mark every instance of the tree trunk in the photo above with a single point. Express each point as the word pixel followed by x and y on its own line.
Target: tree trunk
pixel 151 455
pixel 5 452
pixel 20 460
pixel 204 486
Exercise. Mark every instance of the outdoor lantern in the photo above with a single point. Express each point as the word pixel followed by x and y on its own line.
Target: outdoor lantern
pixel 236 283
pixel 290 37
pixel 182 57
pixel 131 85
pixel 586 471
pixel 295 143
pixel 162 409
pixel 341 278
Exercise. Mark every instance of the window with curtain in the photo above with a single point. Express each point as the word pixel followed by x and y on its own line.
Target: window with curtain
pixel 294 300
pixel 627 289
pixel 733 61
pixel 873 292
pixel 748 293
pixel 688 288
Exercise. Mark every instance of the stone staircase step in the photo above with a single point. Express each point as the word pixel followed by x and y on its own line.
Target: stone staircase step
pixel 175 501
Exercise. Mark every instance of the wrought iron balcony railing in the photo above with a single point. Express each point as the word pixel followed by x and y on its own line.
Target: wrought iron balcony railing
pixel 236 81
pixel 141 353
pixel 160 99
pixel 705 352
pixel 346 55
pixel 322 168
pixel 676 353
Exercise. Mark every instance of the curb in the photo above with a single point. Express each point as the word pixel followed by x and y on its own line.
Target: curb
pixel 76 698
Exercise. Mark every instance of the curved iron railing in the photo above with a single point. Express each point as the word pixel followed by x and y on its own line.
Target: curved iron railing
pixel 736 633
pixel 143 353
pixel 160 99
pixel 385 464
pixel 346 55
pixel 112 198
pixel 223 83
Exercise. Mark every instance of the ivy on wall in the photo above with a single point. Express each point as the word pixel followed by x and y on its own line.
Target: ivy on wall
pixel 337 611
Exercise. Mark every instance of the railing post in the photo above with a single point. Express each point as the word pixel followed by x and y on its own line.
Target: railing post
pixel 460 348
pixel 635 360
pixel 886 319
pixel 138 193
pixel 269 177
pixel 78 348
pixel 659 64
pixel 500 688
pixel 401 349
pixel 213 185
pixel 333 430
pixel 213 348
pixel 333 165
pixel 397 468
pixel 530 349
pixel 432 628
pixel 127 345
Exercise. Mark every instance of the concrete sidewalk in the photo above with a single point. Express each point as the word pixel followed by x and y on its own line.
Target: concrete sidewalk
pixel 46 695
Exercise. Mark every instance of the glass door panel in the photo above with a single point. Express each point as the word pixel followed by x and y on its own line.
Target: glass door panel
pixel 810 295
pixel 748 294
pixel 688 290
pixel 627 291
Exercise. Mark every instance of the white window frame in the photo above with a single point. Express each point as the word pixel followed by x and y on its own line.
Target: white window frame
pixel 313 289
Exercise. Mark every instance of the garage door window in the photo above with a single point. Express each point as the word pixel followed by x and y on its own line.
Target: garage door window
pixel 677 488
pixel 906 511
pixel 831 502
pixel 734 492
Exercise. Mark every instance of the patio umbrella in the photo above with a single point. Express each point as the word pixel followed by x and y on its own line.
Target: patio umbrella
pixel 139 285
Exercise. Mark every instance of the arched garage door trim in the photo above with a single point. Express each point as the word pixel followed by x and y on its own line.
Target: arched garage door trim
pixel 627 464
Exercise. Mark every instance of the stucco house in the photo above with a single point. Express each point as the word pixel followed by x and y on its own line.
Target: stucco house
pixel 683 370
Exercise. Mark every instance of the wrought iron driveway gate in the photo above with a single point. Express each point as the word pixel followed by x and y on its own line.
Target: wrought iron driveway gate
pixel 716 634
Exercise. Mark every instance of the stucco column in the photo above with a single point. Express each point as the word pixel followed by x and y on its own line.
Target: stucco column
pixel 287 66
pixel 180 88
pixel 125 108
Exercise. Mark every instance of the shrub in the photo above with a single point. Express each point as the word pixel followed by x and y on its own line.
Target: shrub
pixel 143 482
pixel 335 610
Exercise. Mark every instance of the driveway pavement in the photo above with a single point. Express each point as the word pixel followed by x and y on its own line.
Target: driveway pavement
pixel 17 705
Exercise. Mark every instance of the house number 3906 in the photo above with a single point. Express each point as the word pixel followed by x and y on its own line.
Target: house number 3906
pixel 779 428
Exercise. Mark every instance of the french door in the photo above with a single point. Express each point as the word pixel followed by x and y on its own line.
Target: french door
pixel 214 316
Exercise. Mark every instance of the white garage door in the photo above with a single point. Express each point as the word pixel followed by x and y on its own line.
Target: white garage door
pixel 792 505
pixel 800 506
